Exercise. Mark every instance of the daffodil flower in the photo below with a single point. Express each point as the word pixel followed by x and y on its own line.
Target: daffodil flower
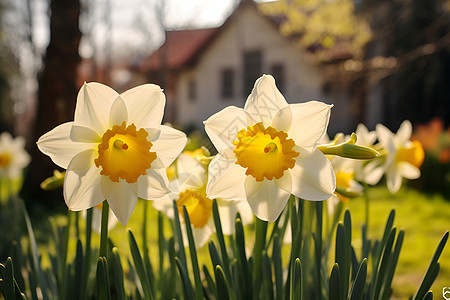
pixel 189 189
pixel 267 151
pixel 402 157
pixel 13 157
pixel 115 149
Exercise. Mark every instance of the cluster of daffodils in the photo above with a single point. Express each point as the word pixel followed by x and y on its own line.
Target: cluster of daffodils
pixel 13 157
pixel 117 150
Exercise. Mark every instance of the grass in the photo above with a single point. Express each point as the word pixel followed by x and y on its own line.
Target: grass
pixel 424 218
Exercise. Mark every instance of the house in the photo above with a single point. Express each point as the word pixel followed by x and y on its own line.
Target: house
pixel 205 70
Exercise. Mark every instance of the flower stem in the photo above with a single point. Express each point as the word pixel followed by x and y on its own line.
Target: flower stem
pixel 104 230
pixel 367 204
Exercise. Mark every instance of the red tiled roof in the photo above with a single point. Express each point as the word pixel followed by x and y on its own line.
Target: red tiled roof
pixel 181 47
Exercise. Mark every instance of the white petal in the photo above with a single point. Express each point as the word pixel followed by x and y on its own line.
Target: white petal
pixel 82 189
pixel 84 135
pixel 201 235
pixel 251 186
pixel 122 200
pixel 118 113
pixel 364 136
pixel 223 126
pixel 373 172
pixel 404 132
pixel 93 106
pixel 190 166
pixel 154 185
pixel 285 182
pixel 283 119
pixel 164 205
pixel 228 211
pixel 408 171
pixel 58 145
pixel 265 100
pixel 83 160
pixel 169 145
pixel 313 177
pixel 385 136
pixel 225 179
pixel 269 201
pixel 393 180
pixel 309 123
pixel 145 105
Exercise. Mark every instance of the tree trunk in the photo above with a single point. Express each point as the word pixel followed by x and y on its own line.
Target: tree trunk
pixel 57 89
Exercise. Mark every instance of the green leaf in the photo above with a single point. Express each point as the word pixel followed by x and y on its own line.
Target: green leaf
pixel 277 266
pixel 267 277
pixel 221 239
pixel 35 253
pixel 340 259
pixel 432 270
pixel 386 293
pixel 357 291
pixel 260 240
pixel 209 280
pixel 79 259
pixel 335 283
pixel 117 271
pixel 103 291
pixel 139 265
pixel 8 280
pixel 297 287
pixel 193 252
pixel 242 260
pixel 382 267
pixel 428 296
pixel 222 285
pixel 179 237
pixel 186 283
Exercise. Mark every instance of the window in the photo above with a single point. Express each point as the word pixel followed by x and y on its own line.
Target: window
pixel 227 88
pixel 192 90
pixel 252 69
pixel 278 73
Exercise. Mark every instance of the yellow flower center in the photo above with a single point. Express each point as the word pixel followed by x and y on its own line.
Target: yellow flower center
pixel 124 153
pixel 265 152
pixel 413 154
pixel 343 180
pixel 198 206
pixel 5 160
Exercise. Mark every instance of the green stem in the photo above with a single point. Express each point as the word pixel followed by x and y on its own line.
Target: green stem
pixel 319 216
pixel 260 238
pixel 104 232
pixel 144 230
pixel 367 204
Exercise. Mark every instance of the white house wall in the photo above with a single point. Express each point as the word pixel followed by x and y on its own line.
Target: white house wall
pixel 248 31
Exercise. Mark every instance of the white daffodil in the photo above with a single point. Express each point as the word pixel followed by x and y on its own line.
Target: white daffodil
pixel 189 189
pixel 13 157
pixel 402 157
pixel 115 149
pixel 267 151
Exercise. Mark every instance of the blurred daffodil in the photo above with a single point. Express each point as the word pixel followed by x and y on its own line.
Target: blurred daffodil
pixel 115 149
pixel 13 157
pixel 53 182
pixel 401 157
pixel 267 151
pixel 188 189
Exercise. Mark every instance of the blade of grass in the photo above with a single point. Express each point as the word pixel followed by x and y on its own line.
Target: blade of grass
pixel 335 284
pixel 103 292
pixel 221 239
